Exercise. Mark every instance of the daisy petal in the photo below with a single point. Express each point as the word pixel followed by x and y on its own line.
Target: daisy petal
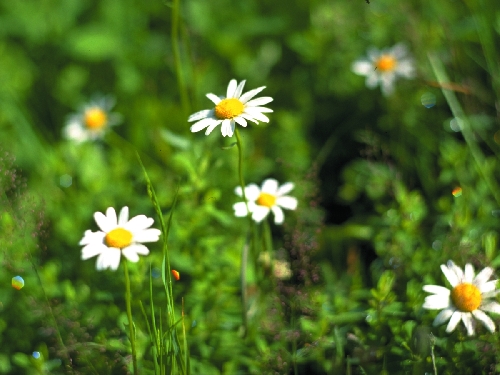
pixel 252 192
pixel 454 320
pixel 250 94
pixel 437 289
pixel 92 250
pixel 270 186
pixel 108 259
pixel 443 316
pixel 231 88
pixel 362 67
pixel 138 223
pixel 123 217
pixel 259 213
pixel 239 90
pixel 248 117
pixel 290 203
pixel 103 223
pixel 279 217
pixel 240 209
pixel 257 115
pixel 212 127
pixel 485 319
pixel 200 115
pixel 493 307
pixel 468 323
pixel 450 275
pixel 259 101
pixel 285 188
pixel 488 287
pixel 435 302
pixel 469 273
pixel 240 120
pixel 92 237
pixel 147 235
pixel 483 276
pixel 202 124
pixel 132 252
pixel 214 98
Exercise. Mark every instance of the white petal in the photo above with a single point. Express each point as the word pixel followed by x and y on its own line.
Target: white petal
pixel 279 217
pixel 252 192
pixel 92 238
pixel 123 217
pixel 450 274
pixel 212 127
pixel 290 203
pixel 405 69
pixel 372 80
pixel 259 101
pixel 443 316
pixel 436 302
pixel 108 259
pixel 238 191
pixel 437 289
pixel 493 307
pixel 132 252
pixel 92 250
pixel 485 319
pixel 248 117
pixel 454 320
pixel 374 53
pixel 200 115
pixel 138 223
pixel 285 188
pixel 387 83
pixel 362 67
pixel 483 276
pixel 250 94
pixel 488 287
pixel 458 271
pixel 256 115
pixel 261 110
pixel 469 273
pixel 111 215
pixel 468 323
pixel 147 235
pixel 399 51
pixel 240 120
pixel 214 98
pixel 231 88
pixel 202 124
pixel 259 213
pixel 239 90
pixel 227 128
pixel 103 222
pixel 270 186
pixel 240 209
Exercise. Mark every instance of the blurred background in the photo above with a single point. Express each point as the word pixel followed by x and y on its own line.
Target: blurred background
pixel 389 187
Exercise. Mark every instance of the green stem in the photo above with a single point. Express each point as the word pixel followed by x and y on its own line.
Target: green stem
pixel 465 127
pixel 177 57
pixel 129 315
pixel 244 253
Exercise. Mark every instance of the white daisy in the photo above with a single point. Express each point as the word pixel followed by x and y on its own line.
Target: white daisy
pixel 383 67
pixel 234 109
pixel 262 201
pixel 118 236
pixel 92 120
pixel 468 298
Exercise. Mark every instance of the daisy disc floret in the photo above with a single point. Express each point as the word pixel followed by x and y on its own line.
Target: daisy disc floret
pixel 234 108
pixel 384 67
pixel 261 201
pixel 92 120
pixel 118 236
pixel 469 298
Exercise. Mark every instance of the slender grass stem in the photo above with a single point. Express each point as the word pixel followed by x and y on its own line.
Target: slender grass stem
pixel 244 253
pixel 465 127
pixel 177 57
pixel 129 315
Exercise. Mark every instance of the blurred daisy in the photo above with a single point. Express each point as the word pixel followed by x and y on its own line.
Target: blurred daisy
pixel 383 67
pixel 233 109
pixel 468 298
pixel 269 198
pixel 118 236
pixel 92 121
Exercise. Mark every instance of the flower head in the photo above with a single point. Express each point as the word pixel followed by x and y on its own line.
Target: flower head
pixel 263 200
pixel 118 236
pixel 383 67
pixel 233 109
pixel 92 120
pixel 469 297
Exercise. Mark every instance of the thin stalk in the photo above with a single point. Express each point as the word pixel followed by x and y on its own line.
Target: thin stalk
pixel 177 57
pixel 129 315
pixel 465 127
pixel 244 253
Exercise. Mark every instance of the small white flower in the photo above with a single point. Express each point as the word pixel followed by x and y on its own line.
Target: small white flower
pixel 233 109
pixel 269 198
pixel 118 236
pixel 383 67
pixel 91 121
pixel 468 298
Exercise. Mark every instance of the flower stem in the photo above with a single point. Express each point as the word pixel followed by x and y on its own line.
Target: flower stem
pixel 244 253
pixel 129 315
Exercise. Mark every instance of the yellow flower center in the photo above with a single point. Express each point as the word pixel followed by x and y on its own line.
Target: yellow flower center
pixel 95 118
pixel 229 108
pixel 266 199
pixel 386 63
pixel 119 238
pixel 466 297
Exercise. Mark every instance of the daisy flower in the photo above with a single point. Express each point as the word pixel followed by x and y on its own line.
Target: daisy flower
pixel 118 236
pixel 468 298
pixel 92 121
pixel 233 109
pixel 263 200
pixel 383 67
